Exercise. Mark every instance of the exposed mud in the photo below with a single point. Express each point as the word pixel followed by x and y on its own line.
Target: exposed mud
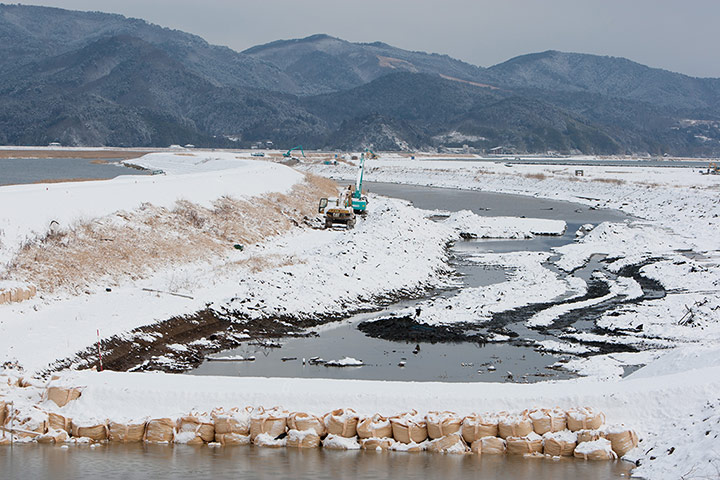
pixel 178 344
pixel 408 330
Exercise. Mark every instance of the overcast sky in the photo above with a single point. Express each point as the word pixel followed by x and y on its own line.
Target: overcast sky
pixel 678 35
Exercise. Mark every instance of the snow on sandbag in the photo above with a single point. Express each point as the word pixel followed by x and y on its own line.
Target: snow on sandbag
pixel 600 449
pixel 559 444
pixel 489 446
pixel 233 421
pixel 301 421
pixel 93 430
pixel 267 440
pixel 475 427
pixel 53 436
pixel 342 421
pixel 376 443
pixel 584 419
pixel 63 395
pixel 452 443
pixel 272 421
pixel 29 418
pixel 303 438
pixel 409 427
pixel 376 426
pixel 232 439
pixel 200 425
pixel 622 438
pixel 546 420
pixel 159 430
pixel 411 447
pixel 126 432
pixel 441 424
pixel 515 426
pixel 588 435
pixel 58 422
pixel 527 445
pixel 340 442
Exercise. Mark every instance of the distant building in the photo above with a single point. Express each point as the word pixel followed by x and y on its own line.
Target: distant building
pixel 501 150
pixel 54 144
pixel 189 145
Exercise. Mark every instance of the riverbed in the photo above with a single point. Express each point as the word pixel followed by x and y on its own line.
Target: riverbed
pixel 423 361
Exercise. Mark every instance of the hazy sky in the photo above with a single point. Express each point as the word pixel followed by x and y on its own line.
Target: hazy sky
pixel 678 35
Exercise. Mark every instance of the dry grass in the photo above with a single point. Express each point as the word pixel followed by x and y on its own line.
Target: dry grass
pixel 68 153
pixel 65 180
pixel 614 181
pixel 536 176
pixel 134 244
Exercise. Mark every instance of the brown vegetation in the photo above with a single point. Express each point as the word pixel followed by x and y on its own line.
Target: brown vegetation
pixel 134 244
pixel 68 153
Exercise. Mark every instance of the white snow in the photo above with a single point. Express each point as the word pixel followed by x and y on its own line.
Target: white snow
pixel 465 221
pixel 199 177
pixel 345 362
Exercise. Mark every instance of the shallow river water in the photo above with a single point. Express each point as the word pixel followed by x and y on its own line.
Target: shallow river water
pixel 34 170
pixel 137 461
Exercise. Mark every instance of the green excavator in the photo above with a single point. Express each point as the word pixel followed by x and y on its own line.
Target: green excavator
pixel 288 154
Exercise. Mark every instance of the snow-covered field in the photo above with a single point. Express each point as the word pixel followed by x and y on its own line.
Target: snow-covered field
pixel 396 250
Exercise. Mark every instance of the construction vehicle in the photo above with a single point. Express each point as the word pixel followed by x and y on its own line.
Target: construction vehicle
pixel 338 210
pixel 288 154
pixel 359 201
pixel 713 169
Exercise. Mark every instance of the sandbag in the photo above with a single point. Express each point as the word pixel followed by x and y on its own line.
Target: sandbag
pixel 409 428
pixel 621 438
pixel 53 436
pixel 559 444
pixel 588 435
pixel 474 427
pixel 267 440
pixel 232 439
pixel 545 420
pixel 304 421
pixel 200 425
pixel 62 395
pixel 58 422
pixel 527 445
pixel 2 412
pixel 489 446
pixel 452 443
pixel 340 442
pixel 342 422
pixel 515 426
pixel 28 418
pixel 273 422
pixel 377 443
pixel 584 419
pixel 95 432
pixel 159 430
pixel 376 426
pixel 408 447
pixel 303 438
pixel 600 449
pixel 232 421
pixel 126 432
pixel 441 424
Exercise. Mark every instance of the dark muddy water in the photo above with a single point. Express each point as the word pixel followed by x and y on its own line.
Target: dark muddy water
pixel 184 462
pixel 459 362
pixel 33 170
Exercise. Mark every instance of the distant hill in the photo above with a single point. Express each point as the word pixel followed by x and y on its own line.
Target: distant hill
pixel 89 78
pixel 610 76
pixel 322 64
